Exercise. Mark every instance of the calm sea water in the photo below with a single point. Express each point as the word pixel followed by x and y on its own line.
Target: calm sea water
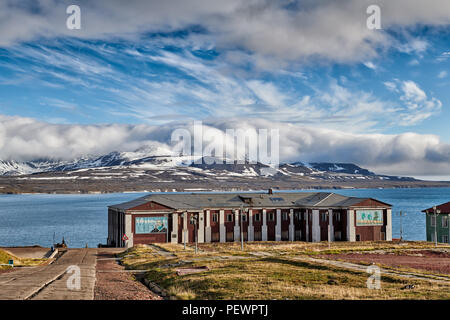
pixel 81 219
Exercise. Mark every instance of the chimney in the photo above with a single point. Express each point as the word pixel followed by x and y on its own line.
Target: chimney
pixel 270 191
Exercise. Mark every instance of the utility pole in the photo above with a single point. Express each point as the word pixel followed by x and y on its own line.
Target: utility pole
pixel 242 229
pixel 401 225
pixel 184 231
pixel 194 222
pixel 436 212
pixel 329 230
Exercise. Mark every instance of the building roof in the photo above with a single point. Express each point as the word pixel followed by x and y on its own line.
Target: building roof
pixel 444 208
pixel 196 201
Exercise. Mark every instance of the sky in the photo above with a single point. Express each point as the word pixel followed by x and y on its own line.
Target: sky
pixel 336 90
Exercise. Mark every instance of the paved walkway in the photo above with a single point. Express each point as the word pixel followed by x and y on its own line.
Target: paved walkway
pixel 50 282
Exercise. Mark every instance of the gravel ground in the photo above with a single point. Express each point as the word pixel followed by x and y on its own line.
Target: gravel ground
pixel 116 285
pixel 433 261
pixel 7 270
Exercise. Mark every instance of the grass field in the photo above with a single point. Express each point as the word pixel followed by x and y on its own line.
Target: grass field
pixel 273 270
pixel 18 262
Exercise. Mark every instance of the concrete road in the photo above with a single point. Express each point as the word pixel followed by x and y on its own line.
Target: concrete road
pixel 50 282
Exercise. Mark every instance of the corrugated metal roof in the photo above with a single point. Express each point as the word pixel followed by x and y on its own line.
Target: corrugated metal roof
pixel 196 201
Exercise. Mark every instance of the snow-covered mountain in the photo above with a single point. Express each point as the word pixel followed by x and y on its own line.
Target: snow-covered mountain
pixel 146 158
pixel 163 160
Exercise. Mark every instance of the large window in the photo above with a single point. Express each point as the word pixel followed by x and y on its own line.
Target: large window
pixel 230 217
pixel 215 217
pixel 257 217
pixel 337 216
pixel 433 221
pixel 444 221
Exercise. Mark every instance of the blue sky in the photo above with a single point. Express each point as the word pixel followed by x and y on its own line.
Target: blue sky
pixel 299 64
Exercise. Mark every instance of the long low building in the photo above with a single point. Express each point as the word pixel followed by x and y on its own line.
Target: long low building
pixel 264 216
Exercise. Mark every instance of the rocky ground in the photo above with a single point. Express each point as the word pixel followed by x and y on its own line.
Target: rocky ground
pixel 112 181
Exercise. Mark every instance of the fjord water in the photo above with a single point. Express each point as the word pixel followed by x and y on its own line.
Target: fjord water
pixel 82 219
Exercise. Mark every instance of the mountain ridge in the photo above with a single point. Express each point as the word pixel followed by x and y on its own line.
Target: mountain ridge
pixel 144 159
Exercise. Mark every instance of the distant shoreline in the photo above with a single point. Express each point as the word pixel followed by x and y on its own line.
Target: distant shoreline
pixel 60 191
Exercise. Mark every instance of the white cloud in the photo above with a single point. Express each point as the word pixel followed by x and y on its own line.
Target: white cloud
pixel 284 29
pixel 443 74
pixel 370 65
pixel 405 154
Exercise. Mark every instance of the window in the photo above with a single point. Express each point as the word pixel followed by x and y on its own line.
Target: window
pixel 229 217
pixel 433 221
pixel 285 216
pixel 432 237
pixel 215 217
pixel 257 217
pixel 323 216
pixel 271 216
pixel 337 216
pixel 244 217
pixel 358 237
pixel 445 238
pixel 444 221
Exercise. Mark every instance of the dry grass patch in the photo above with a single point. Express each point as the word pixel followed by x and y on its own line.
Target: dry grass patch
pixel 19 262
pixel 277 278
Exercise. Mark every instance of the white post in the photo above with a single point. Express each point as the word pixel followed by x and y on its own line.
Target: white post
pixel 291 225
pixel 222 231
pixel 208 227
pixel 251 229
pixel 185 235
pixel 264 226
pixel 351 236
pixel 128 233
pixel 174 234
pixel 315 226
pixel 201 227
pixel 389 225
pixel 307 224
pixel 278 226
pixel 330 219
pixel 237 228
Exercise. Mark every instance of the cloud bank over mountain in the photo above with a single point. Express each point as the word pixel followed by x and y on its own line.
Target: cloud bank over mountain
pixel 402 154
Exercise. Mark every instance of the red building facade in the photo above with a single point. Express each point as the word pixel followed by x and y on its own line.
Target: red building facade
pixel 219 217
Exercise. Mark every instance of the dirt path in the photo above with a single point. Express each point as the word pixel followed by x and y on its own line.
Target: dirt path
pixel 363 268
pixel 437 261
pixel 115 283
